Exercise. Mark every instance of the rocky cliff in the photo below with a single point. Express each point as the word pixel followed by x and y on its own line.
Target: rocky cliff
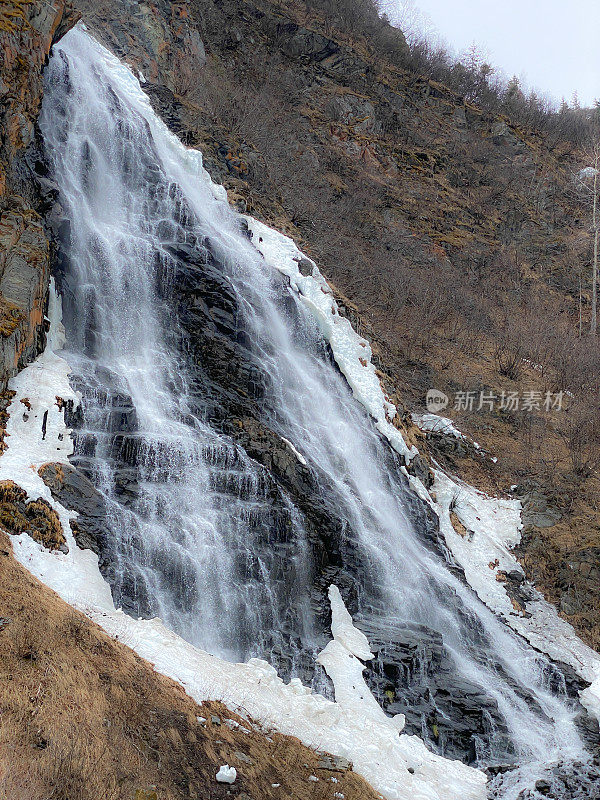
pixel 27 32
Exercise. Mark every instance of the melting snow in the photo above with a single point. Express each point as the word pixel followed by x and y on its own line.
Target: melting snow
pixel 343 629
pixel 226 774
pixel 298 455
pixel 493 528
pixel 340 658
pixel 433 422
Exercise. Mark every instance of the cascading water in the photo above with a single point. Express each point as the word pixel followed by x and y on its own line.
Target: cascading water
pixel 195 531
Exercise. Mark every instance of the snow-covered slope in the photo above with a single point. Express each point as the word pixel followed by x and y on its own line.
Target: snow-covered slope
pixel 493 529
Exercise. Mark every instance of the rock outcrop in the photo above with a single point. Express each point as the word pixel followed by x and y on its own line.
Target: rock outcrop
pixel 156 38
pixel 37 518
pixel 74 491
pixel 27 32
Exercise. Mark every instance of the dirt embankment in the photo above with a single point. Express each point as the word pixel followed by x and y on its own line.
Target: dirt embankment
pixel 82 716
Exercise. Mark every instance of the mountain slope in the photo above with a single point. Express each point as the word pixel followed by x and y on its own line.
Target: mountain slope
pixel 83 716
pixel 444 225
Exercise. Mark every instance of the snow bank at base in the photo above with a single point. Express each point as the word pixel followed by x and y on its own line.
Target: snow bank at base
pixel 352 353
pixel 354 727
pixel 493 528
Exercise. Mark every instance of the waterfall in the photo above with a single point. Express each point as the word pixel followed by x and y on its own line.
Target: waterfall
pixel 198 531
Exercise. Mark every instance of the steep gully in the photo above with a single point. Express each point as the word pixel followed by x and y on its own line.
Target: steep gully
pixel 197 368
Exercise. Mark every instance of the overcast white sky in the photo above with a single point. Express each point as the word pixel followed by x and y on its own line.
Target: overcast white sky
pixel 554 44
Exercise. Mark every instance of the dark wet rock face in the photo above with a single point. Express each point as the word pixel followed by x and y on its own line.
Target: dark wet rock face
pixel 74 491
pixel 413 674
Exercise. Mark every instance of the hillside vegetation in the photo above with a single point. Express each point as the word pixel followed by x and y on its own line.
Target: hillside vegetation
pixel 82 716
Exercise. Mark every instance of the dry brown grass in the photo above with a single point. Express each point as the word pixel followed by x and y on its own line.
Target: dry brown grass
pixel 18 514
pixel 84 718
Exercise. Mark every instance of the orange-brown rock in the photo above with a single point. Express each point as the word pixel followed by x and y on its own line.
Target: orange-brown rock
pixel 27 30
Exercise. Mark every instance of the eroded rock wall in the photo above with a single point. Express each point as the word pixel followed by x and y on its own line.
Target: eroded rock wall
pixel 28 29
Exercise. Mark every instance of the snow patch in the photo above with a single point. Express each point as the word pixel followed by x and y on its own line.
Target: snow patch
pixel 45 384
pixel 340 658
pixel 298 455
pixel 433 422
pixel 493 529
pixel 226 774
pixel 343 629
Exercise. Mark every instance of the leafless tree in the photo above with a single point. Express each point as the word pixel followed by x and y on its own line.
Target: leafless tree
pixel 588 184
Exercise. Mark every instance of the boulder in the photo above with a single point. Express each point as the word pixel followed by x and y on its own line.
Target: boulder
pixel 76 492
pixel 538 510
pixel 298 42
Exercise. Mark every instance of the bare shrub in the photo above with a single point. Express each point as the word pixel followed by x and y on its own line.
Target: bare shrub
pixel 580 430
